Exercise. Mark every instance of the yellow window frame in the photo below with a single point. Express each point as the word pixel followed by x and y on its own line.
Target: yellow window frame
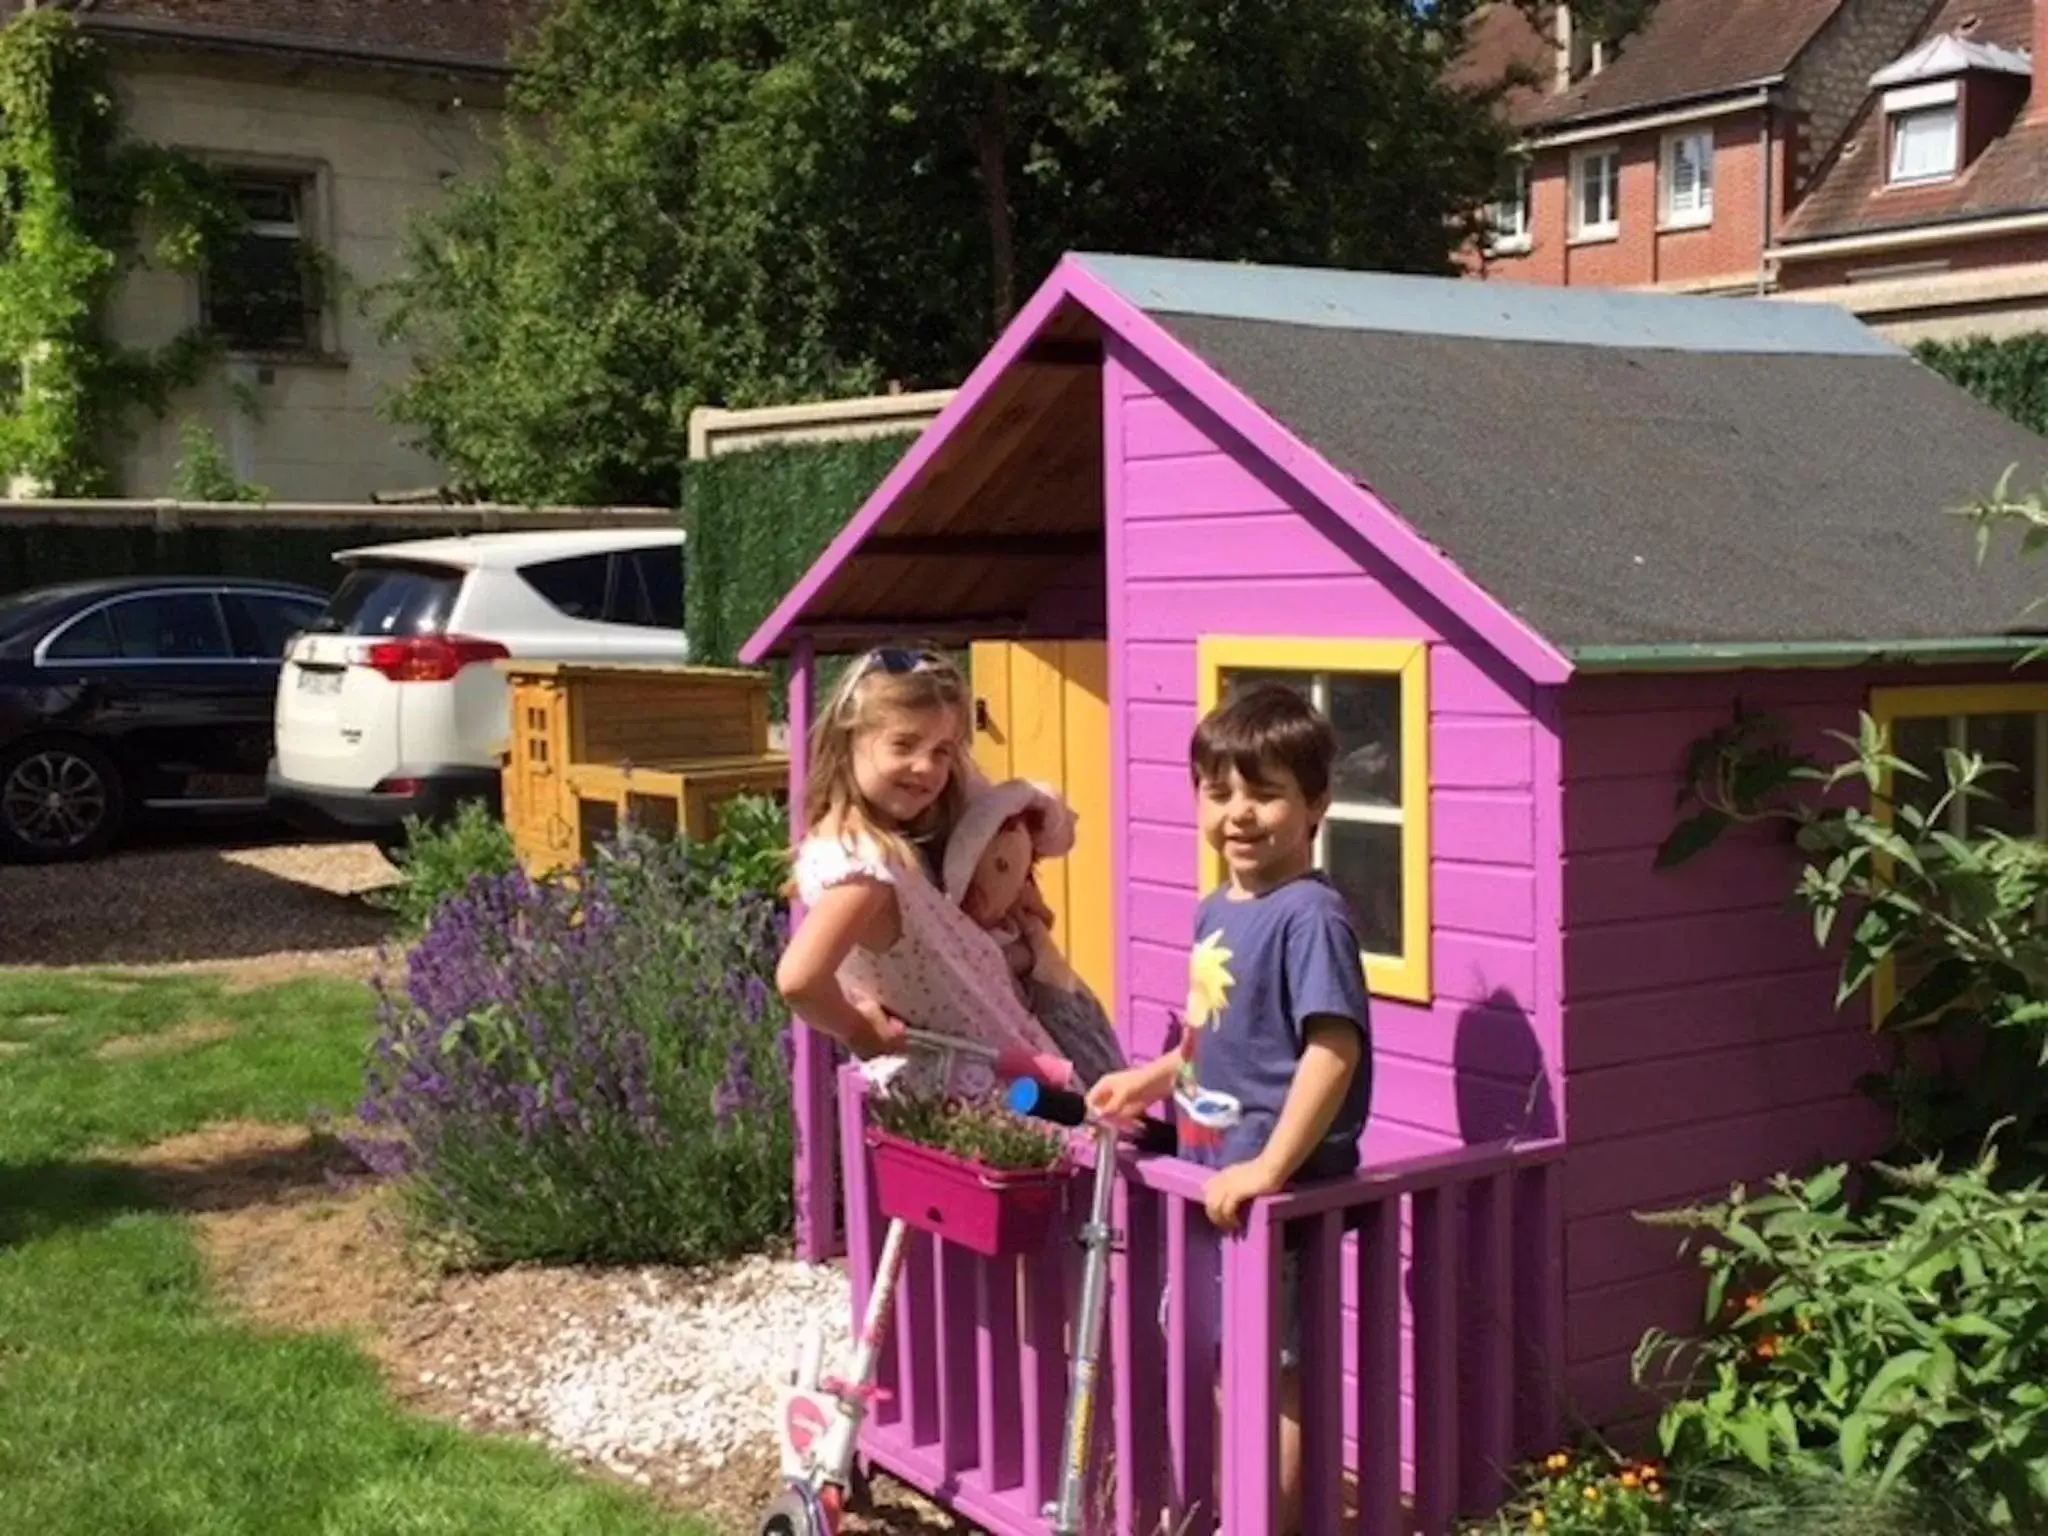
pixel 1888 706
pixel 1406 976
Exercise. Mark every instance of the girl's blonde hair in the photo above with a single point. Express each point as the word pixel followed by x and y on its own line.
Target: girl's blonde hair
pixel 873 687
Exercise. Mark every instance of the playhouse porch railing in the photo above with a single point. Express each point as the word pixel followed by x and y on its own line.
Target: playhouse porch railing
pixel 1417 1397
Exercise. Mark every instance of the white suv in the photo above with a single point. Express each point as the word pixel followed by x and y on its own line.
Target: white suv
pixel 389 706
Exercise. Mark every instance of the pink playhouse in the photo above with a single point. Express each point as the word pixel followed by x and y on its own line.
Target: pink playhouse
pixel 1525 546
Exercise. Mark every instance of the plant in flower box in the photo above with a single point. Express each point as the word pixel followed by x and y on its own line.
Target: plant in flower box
pixel 968 1171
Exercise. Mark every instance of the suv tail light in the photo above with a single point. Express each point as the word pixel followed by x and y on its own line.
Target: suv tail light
pixel 426 658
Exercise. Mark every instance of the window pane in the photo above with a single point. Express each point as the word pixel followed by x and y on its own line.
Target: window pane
pixel 263 626
pixel 1691 174
pixel 2007 739
pixel 1367 714
pixel 391 600
pixel 1924 144
pixel 661 570
pixel 1236 682
pixel 1364 862
pixel 573 587
pixel 89 639
pixel 1920 740
pixel 170 626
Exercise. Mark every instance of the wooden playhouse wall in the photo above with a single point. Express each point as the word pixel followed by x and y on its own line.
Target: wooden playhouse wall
pixel 1203 540
pixel 1702 1043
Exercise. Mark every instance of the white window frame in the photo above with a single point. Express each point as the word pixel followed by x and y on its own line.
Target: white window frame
pixel 1582 162
pixel 1940 101
pixel 1508 219
pixel 1699 211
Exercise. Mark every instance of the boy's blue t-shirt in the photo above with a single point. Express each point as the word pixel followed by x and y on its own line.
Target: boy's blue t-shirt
pixel 1260 969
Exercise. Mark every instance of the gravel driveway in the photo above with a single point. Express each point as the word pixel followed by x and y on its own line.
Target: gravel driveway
pixel 254 904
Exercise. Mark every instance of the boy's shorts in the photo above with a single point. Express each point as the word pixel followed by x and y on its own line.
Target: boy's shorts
pixel 1290 1308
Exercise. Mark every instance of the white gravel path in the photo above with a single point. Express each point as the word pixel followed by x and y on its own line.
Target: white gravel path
pixel 663 1376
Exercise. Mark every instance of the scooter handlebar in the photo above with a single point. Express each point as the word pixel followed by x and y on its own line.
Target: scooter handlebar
pixel 1063 1106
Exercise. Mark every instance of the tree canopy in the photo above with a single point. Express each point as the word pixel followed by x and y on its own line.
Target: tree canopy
pixel 744 201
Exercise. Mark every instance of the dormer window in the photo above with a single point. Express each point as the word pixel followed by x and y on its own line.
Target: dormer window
pixel 1925 132
pixel 1924 97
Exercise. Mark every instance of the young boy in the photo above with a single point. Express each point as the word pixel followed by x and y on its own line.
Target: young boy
pixel 1272 1074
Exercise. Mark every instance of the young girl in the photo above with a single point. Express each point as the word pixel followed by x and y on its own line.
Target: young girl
pixel 879 943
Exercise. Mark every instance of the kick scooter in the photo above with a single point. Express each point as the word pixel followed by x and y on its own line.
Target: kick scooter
pixel 821 1416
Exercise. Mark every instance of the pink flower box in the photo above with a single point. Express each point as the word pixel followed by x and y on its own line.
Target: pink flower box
pixel 995 1212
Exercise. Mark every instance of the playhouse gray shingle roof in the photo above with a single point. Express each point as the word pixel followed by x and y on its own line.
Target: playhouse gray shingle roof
pixel 1624 470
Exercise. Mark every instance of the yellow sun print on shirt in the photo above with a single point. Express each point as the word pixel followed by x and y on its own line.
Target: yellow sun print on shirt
pixel 1209 981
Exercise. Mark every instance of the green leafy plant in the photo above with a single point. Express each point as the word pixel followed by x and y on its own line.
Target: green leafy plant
pixel 203 473
pixel 443 860
pixel 1906 1332
pixel 749 854
pixel 975 1132
pixel 1960 917
pixel 78 193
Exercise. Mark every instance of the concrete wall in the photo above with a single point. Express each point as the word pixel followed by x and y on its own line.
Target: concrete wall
pixel 378 147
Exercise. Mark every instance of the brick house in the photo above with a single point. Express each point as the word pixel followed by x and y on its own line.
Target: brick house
pixel 341 121
pixel 1674 159
pixel 1930 220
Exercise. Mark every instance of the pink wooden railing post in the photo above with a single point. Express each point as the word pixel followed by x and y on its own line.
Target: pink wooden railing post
pixel 1251 1371
pixel 1136 1282
pixel 1434 1297
pixel 1379 1369
pixel 1487 1334
pixel 1321 1373
pixel 811 1099
pixel 1539 1305
pixel 1192 1261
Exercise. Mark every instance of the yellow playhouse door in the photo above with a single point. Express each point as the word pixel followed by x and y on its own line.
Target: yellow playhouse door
pixel 1042 712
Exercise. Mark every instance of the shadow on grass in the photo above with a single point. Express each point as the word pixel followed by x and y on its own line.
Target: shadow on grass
pixel 40 1198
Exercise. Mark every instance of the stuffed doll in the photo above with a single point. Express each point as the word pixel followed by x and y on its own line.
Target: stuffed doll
pixel 989 863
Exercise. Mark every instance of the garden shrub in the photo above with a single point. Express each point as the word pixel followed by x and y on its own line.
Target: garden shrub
pixel 441 859
pixel 590 1069
pixel 1904 1335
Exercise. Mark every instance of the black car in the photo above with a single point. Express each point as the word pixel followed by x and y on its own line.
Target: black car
pixel 136 694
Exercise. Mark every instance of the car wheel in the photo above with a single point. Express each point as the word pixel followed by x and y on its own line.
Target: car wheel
pixel 59 799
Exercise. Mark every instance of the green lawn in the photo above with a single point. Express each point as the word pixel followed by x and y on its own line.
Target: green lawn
pixel 129 1403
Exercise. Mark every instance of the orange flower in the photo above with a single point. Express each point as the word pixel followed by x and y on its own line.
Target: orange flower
pixel 1557 1461
pixel 1630 1480
pixel 1592 1493
pixel 1753 1302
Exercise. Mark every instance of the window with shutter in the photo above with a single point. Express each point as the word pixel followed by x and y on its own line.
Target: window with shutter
pixel 1689 179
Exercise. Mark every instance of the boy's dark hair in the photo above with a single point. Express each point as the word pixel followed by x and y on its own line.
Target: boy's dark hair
pixel 1262 728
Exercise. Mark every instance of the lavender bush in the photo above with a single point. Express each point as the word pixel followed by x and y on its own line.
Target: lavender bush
pixel 590 1069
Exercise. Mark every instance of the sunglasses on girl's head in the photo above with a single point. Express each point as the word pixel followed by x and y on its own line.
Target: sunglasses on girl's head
pixel 898 662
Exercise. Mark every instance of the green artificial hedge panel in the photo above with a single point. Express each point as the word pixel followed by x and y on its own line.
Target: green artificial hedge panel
pixel 2009 374
pixel 758 520
pixel 39 554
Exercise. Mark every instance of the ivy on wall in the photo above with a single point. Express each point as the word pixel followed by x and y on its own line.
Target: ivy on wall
pixel 80 198
pixel 2009 374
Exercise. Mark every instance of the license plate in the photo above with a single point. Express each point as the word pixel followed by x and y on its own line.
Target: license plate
pixel 318 682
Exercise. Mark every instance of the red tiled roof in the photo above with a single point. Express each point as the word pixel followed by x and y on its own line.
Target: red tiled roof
pixel 458 33
pixel 1687 48
pixel 1849 195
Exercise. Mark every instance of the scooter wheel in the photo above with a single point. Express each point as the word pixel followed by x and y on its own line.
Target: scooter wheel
pixel 798 1513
